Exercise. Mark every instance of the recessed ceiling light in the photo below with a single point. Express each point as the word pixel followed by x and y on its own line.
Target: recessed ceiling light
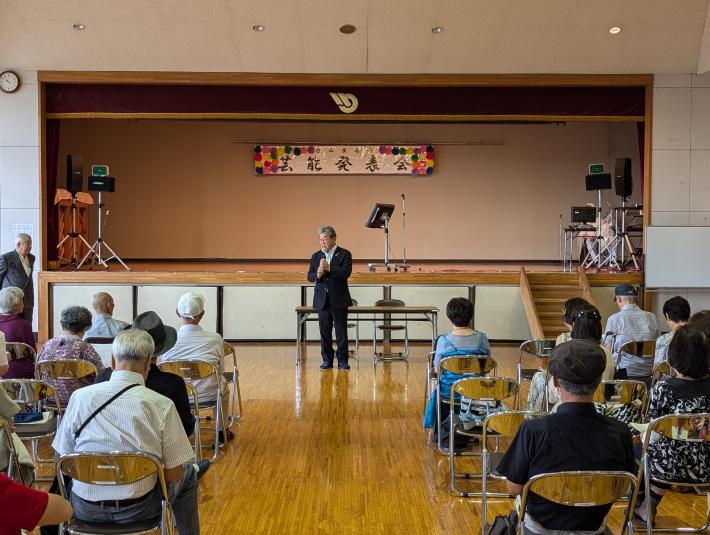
pixel 79 27
pixel 347 29
pixel 614 30
pixel 258 28
pixel 437 29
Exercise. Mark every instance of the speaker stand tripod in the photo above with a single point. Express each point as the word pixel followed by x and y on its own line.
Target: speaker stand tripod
pixel 95 250
pixel 73 236
pixel 622 238
pixel 599 244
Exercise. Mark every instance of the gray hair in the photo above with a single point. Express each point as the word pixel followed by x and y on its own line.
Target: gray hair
pixel 330 231
pixel 21 237
pixel 75 319
pixel 627 299
pixel 10 297
pixel 134 346
pixel 579 390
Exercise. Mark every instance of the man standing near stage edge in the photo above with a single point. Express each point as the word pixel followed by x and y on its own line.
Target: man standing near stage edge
pixel 16 270
pixel 330 268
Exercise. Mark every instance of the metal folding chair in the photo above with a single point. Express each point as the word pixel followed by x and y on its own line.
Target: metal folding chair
pixel 36 395
pixel 460 365
pixel 644 349
pixel 233 379
pixel 582 489
pixel 488 390
pixel 114 468
pixel 501 425
pixel 387 328
pixel 659 370
pixel 56 371
pixel 540 349
pixel 13 463
pixel 694 428
pixel 18 350
pixel 195 407
pixel 623 399
pixel 191 370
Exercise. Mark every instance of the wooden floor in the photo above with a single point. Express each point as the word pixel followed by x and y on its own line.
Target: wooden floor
pixel 344 453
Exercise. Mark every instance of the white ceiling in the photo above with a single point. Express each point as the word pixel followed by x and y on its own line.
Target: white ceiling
pixel 393 36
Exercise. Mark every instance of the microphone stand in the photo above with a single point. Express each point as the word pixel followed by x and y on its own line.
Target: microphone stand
pixel 404 266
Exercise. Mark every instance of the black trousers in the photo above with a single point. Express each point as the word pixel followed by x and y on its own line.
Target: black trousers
pixel 326 319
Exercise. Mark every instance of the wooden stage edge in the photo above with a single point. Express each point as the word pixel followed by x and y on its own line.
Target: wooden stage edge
pixel 220 273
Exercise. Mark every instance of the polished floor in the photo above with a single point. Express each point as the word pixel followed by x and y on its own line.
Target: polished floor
pixel 339 452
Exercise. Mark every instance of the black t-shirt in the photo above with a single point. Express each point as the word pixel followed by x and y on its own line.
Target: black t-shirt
pixel 575 438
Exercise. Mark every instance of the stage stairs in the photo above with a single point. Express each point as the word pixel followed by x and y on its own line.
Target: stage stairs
pixel 544 295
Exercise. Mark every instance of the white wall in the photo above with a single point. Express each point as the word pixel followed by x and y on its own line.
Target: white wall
pixel 680 194
pixel 19 166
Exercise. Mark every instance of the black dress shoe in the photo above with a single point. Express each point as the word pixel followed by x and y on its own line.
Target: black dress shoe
pixel 343 366
pixel 326 365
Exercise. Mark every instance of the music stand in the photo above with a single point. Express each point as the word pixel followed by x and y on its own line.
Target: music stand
pixel 379 217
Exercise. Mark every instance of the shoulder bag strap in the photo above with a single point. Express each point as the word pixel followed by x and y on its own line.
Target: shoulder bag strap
pixel 102 407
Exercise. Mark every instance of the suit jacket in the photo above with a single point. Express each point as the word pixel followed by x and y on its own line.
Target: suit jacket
pixel 12 273
pixel 334 283
pixel 169 385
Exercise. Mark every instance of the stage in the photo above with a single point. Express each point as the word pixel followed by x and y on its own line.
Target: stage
pixel 255 300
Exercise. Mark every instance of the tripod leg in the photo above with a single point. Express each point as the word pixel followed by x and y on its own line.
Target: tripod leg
pixel 90 253
pixel 632 251
pixel 114 255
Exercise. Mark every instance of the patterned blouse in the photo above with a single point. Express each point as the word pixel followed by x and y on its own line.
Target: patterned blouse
pixel 71 347
pixel 673 460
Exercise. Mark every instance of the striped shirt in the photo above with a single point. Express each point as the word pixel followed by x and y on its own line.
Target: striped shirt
pixel 140 420
pixel 631 323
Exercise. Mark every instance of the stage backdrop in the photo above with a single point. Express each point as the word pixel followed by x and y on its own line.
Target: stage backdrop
pixel 187 189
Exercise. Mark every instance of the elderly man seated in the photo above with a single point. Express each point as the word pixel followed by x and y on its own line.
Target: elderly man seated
pixel 194 343
pixel 104 325
pixel 138 419
pixel 631 323
pixel 574 438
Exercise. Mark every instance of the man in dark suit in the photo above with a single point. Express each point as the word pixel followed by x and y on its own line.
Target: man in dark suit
pixel 330 268
pixel 16 270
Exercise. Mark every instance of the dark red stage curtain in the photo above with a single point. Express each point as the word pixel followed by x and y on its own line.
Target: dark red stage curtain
pixel 641 135
pixel 52 167
pixel 384 101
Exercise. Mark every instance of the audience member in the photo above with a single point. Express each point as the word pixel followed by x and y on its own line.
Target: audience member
pixel 16 329
pixel 701 321
pixel 574 438
pixel 462 340
pixel 104 326
pixel 194 343
pixel 568 318
pixel 459 310
pixel 16 270
pixel 25 508
pixel 139 419
pixel 586 325
pixel 75 321
pixel 631 323
pixel 168 384
pixel 677 313
pixel 686 393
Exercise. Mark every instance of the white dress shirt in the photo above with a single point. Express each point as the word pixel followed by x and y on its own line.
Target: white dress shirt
pixel 194 343
pixel 138 420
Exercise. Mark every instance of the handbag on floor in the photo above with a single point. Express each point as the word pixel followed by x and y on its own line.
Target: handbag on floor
pixel 504 524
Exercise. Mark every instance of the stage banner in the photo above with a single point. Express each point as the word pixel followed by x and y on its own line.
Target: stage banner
pixel 344 160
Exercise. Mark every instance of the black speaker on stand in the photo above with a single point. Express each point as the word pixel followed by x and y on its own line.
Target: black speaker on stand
pixel 624 186
pixel 623 182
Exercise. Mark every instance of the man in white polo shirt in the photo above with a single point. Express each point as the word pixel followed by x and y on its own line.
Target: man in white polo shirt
pixel 139 419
